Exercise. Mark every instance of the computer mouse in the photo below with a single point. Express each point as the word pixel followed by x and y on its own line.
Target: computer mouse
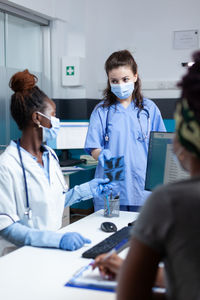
pixel 108 227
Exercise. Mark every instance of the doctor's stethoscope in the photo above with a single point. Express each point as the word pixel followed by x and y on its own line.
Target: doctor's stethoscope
pixel 28 211
pixel 144 135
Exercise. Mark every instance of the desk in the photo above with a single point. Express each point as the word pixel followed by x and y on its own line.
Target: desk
pixel 40 274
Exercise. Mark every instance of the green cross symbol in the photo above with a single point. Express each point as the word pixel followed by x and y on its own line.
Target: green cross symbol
pixel 70 70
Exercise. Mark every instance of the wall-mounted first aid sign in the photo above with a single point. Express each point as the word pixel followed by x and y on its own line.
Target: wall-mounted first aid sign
pixel 72 71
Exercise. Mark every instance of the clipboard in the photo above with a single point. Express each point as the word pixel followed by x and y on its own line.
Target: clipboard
pixel 86 278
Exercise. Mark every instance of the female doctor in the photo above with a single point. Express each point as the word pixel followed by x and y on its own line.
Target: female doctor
pixel 33 192
pixel 120 126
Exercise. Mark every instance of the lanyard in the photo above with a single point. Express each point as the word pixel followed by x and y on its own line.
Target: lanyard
pixel 28 211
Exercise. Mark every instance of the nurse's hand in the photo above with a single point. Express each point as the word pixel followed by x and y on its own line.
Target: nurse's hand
pixel 72 241
pixel 112 187
pixel 104 155
pixel 97 186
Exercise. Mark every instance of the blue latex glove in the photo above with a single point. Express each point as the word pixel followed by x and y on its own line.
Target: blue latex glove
pixel 20 235
pixel 72 241
pixel 97 186
pixel 104 155
pixel 112 187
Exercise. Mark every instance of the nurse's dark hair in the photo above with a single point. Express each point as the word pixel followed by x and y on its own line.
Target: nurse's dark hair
pixel 190 85
pixel 26 99
pixel 119 59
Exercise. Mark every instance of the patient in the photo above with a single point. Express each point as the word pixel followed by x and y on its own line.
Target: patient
pixel 168 227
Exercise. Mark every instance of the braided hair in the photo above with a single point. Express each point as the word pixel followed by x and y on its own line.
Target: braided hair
pixel 119 59
pixel 26 99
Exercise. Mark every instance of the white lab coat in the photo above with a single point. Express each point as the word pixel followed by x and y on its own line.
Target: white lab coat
pixel 46 198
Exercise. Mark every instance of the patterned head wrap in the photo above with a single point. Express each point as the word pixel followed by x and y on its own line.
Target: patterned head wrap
pixel 187 127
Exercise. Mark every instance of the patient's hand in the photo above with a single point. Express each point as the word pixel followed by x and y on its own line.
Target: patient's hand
pixel 109 267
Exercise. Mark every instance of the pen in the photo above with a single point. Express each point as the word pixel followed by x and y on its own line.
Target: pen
pixel 109 254
pixel 108 206
pixel 82 270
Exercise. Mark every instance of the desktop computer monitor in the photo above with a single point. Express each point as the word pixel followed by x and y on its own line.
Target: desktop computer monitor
pixel 71 135
pixel 162 167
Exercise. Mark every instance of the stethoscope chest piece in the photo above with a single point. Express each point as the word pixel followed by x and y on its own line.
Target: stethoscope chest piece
pixel 106 138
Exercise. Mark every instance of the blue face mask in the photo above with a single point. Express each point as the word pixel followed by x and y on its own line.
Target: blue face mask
pixel 50 133
pixel 122 91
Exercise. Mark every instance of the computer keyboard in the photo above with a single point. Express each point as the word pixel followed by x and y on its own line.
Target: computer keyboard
pixel 72 162
pixel 122 235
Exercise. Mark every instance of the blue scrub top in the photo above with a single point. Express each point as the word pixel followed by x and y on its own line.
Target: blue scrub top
pixel 125 139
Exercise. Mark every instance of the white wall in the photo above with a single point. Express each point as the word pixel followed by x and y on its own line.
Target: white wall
pixel 95 29
pixel 68 39
pixel 146 29
pixel 67 36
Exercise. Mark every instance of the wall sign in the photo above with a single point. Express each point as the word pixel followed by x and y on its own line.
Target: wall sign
pixel 186 39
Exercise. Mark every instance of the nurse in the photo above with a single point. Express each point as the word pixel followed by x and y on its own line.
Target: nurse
pixel 33 192
pixel 120 126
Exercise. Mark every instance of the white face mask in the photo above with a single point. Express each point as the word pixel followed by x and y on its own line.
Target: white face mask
pixel 50 133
